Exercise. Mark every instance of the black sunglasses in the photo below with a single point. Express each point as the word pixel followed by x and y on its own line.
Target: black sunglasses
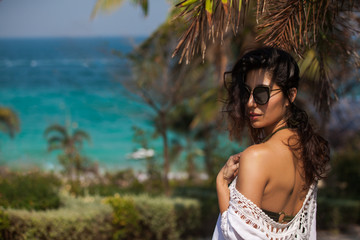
pixel 261 94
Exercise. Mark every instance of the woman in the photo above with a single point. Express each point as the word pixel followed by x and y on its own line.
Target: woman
pixel 273 183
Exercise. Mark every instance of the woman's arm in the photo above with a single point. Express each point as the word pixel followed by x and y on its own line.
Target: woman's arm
pixel 224 178
pixel 254 173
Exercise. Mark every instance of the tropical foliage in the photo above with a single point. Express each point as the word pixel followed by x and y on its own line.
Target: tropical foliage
pixel 144 217
pixel 158 81
pixel 79 219
pixel 33 191
pixel 9 121
pixel 59 138
pixel 306 28
pixel 111 5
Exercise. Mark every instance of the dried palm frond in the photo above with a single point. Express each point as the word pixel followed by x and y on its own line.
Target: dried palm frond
pixel 289 24
pixel 295 25
pixel 208 20
pixel 323 26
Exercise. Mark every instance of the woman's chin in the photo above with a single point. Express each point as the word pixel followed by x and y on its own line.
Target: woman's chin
pixel 256 124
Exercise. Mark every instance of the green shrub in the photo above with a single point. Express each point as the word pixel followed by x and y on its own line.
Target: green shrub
pixel 79 219
pixel 337 214
pixel 125 218
pixel 156 217
pixel 35 190
pixel 346 171
pixel 4 223
pixel 209 213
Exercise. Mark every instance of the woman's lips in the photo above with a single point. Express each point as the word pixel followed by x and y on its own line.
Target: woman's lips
pixel 254 116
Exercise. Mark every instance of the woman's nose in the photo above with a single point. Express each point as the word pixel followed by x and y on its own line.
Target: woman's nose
pixel 251 102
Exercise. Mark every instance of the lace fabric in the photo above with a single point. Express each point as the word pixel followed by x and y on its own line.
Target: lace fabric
pixel 244 220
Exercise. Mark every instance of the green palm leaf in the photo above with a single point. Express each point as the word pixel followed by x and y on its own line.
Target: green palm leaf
pixel 56 129
pixel 105 5
pixel 112 5
pixel 9 121
pixel 56 140
pixel 55 143
pixel 79 136
pixel 144 4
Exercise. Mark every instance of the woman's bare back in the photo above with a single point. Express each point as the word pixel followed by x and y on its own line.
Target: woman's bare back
pixel 282 174
pixel 285 191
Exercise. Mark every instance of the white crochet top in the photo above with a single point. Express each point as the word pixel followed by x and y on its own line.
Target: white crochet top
pixel 244 220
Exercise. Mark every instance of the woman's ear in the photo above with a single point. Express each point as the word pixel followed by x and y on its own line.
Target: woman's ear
pixel 292 94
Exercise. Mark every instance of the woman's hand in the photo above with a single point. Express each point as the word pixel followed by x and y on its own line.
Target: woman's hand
pixel 230 169
pixel 224 178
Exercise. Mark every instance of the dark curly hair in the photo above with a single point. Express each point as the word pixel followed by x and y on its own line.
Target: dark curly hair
pixel 284 71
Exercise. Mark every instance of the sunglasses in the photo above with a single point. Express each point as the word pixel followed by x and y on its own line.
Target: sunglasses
pixel 261 94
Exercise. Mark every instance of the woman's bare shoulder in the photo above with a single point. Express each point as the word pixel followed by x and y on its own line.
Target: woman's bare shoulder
pixel 254 172
pixel 257 152
pixel 256 160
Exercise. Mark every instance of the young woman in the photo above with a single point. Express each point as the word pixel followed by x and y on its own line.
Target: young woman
pixel 273 183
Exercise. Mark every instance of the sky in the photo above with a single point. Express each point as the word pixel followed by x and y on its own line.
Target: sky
pixel 71 18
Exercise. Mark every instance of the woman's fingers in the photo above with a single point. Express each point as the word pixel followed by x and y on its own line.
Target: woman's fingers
pixel 231 168
pixel 237 157
pixel 234 159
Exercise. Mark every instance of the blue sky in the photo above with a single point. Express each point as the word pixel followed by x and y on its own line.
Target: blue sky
pixel 71 18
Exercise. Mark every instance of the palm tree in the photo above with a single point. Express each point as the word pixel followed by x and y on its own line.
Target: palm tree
pixel 158 81
pixel 59 138
pixel 307 28
pixel 9 121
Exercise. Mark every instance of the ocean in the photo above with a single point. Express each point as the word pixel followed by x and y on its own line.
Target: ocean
pixel 73 82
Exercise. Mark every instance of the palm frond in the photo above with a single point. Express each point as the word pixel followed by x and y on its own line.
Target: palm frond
pixel 324 26
pixel 56 129
pixel 289 24
pixel 105 5
pixel 9 121
pixel 297 25
pixel 207 20
pixel 56 140
pixel 316 71
pixel 144 4
pixel 55 143
pixel 80 136
pixel 112 5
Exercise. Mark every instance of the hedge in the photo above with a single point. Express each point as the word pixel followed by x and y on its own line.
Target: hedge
pixel 126 217
pixel 79 219
pixel 337 214
pixel 33 190
pixel 154 217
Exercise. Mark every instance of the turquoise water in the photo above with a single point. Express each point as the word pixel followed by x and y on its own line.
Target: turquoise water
pixel 73 82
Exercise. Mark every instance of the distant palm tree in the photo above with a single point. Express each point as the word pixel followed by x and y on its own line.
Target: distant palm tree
pixel 59 138
pixel 9 122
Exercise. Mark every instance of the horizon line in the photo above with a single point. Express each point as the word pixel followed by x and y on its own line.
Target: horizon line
pixel 72 37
